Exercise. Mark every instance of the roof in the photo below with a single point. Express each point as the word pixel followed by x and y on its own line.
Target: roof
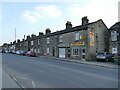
pixel 115 26
pixel 76 28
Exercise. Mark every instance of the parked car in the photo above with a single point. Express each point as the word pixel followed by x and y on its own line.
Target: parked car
pixel 13 51
pixel 31 53
pixel 6 51
pixel 18 52
pixel 3 51
pixel 23 52
pixel 105 56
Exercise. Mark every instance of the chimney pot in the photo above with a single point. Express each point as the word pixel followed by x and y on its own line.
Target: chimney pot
pixel 85 20
pixel 68 25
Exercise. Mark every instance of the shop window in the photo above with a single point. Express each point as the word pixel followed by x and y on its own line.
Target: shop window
pixel 75 51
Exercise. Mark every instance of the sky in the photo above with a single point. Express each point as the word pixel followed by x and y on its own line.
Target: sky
pixel 34 16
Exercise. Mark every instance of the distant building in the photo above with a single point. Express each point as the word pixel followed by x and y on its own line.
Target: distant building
pixel 115 38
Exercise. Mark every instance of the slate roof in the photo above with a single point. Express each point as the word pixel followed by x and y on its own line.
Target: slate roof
pixel 76 28
pixel 115 26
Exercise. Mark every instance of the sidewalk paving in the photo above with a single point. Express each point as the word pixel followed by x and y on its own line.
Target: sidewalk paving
pixel 101 64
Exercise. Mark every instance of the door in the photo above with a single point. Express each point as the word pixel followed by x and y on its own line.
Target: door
pixel 62 52
pixel 53 51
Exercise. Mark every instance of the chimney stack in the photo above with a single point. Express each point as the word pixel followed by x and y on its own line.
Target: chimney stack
pixel 33 35
pixel 47 31
pixel 68 25
pixel 28 37
pixel 40 33
pixel 85 20
pixel 18 40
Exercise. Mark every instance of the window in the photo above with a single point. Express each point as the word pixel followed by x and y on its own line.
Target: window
pixel 83 50
pixel 75 51
pixel 38 41
pixel 80 37
pixel 83 56
pixel 38 50
pixel 26 43
pixel 77 36
pixel 69 50
pixel 48 50
pixel 60 39
pixel 98 25
pixel 31 42
pixel 114 36
pixel 48 40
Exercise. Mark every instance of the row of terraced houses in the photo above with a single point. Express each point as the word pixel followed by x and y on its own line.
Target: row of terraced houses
pixel 80 42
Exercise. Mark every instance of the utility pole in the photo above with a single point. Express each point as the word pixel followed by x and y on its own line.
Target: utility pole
pixel 15 38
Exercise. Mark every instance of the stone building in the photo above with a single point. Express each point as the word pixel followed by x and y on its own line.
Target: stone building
pixel 80 42
pixel 115 38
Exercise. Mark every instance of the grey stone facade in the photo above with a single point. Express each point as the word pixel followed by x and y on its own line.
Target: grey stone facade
pixel 81 42
pixel 115 38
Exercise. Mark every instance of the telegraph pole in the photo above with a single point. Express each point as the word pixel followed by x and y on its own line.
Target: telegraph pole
pixel 15 38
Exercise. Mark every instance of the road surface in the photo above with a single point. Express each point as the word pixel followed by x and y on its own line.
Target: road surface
pixel 39 72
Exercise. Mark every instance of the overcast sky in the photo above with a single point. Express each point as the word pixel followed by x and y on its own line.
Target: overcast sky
pixel 32 17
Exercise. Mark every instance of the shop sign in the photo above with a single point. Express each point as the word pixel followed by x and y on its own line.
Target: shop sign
pixel 91 39
pixel 78 43
pixel 114 50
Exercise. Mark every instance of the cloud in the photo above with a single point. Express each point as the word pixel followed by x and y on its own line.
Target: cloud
pixel 119 11
pixel 27 15
pixel 39 12
pixel 102 9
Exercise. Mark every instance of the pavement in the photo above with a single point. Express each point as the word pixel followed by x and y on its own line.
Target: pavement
pixel 8 81
pixel 101 64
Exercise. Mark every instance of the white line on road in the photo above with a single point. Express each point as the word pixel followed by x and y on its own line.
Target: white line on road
pixel 33 84
pixel 14 79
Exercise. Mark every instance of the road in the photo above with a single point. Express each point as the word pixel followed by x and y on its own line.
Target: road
pixel 39 72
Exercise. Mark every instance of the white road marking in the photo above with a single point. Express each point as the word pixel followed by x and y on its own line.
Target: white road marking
pixel 23 87
pixel 33 84
pixel 15 79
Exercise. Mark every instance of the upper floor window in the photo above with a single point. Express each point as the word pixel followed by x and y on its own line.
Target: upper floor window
pixel 113 35
pixel 77 36
pixel 60 39
pixel 38 41
pixel 31 42
pixel 26 43
pixel 48 40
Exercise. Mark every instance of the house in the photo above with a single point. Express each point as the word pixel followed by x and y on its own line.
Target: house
pixel 115 38
pixel 81 42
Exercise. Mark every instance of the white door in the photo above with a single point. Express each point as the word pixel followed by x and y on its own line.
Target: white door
pixel 62 52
